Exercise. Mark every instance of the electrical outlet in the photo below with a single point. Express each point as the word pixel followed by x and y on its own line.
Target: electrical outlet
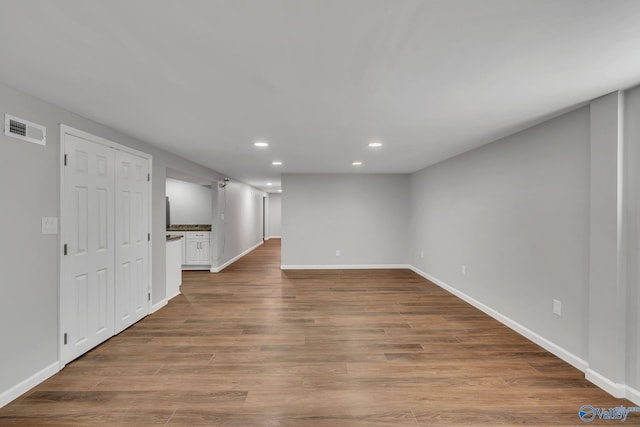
pixel 421 254
pixel 338 252
pixel 463 270
pixel 557 307
pixel 222 216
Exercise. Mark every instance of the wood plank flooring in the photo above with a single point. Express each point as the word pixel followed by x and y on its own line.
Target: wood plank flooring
pixel 255 346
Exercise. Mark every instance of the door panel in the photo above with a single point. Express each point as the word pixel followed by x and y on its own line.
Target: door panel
pixel 132 244
pixel 87 280
pixel 81 310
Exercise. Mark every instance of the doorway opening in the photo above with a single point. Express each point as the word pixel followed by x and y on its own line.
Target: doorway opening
pixel 264 218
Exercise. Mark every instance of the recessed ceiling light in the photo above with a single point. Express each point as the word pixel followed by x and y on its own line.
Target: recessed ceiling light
pixel 356 163
pixel 269 183
pixel 375 144
pixel 276 163
pixel 261 144
pixel 279 191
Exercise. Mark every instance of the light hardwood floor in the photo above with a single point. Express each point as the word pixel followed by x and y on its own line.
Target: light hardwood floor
pixel 255 346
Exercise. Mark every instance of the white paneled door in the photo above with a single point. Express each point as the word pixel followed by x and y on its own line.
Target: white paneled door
pixel 104 274
pixel 132 239
pixel 88 274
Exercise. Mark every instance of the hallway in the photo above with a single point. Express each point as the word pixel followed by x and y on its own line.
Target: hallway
pixel 256 346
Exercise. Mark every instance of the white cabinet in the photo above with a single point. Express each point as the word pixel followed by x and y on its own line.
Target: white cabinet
pixel 198 248
pixel 174 267
pixel 183 245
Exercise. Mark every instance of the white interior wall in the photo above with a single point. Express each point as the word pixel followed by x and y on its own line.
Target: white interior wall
pixel 516 213
pixel 28 259
pixel 549 213
pixel 30 344
pixel 606 307
pixel 190 203
pixel 632 194
pixel 241 228
pixel 365 216
pixel 552 212
pixel 29 185
pixel 275 215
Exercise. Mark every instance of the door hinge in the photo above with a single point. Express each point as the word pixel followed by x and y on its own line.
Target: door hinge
pixel 149 296
pixel 65 160
pixel 148 237
pixel 65 249
pixel 65 338
pixel 148 177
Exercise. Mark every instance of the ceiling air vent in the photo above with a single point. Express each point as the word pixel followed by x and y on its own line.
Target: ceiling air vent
pixel 24 130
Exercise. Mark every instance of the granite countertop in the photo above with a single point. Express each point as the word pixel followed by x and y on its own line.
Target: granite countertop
pixel 173 237
pixel 189 227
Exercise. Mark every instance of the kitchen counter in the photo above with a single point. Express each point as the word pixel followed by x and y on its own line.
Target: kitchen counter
pixel 172 237
pixel 189 227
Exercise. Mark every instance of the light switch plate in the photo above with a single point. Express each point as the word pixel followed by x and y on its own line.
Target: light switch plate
pixel 557 307
pixel 49 225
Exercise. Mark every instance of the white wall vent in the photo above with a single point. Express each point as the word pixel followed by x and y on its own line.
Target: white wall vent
pixel 24 130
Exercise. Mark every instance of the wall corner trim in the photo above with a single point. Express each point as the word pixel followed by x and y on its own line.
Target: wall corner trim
pixel 157 306
pixel 615 389
pixel 346 267
pixel 234 259
pixel 26 385
pixel 633 395
pixel 551 347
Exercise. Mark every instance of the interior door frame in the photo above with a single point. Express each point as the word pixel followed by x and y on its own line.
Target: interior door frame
pixel 264 219
pixel 65 129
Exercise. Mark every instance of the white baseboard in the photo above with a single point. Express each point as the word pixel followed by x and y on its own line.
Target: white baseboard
pixel 633 395
pixel 157 306
pixel 203 267
pixel 234 259
pixel 170 297
pixel 274 237
pixel 621 391
pixel 345 267
pixel 562 353
pixel 26 385
pixel 615 389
